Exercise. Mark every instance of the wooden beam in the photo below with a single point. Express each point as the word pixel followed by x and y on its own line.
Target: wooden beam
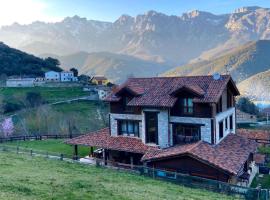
pixel 131 162
pixel 75 152
pixel 91 151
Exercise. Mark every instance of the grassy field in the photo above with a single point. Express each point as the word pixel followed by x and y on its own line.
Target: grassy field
pixel 49 94
pixel 26 178
pixel 51 145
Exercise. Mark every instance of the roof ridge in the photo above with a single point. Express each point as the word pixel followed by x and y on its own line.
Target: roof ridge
pixel 185 76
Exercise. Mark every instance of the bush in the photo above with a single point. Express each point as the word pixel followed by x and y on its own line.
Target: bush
pixel 11 107
pixel 245 105
pixel 34 99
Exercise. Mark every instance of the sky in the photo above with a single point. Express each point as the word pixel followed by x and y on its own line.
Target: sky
pixel 27 11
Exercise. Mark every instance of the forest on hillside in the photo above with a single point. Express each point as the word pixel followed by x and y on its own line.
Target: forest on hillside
pixel 15 62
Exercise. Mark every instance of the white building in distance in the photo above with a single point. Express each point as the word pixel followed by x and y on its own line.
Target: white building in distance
pixel 64 76
pixel 20 82
pixel 52 76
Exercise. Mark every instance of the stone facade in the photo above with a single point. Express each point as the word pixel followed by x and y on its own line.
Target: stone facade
pixel 205 129
pixel 165 133
pixel 115 117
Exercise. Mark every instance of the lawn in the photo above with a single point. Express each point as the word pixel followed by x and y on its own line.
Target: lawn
pixel 49 94
pixel 27 178
pixel 51 145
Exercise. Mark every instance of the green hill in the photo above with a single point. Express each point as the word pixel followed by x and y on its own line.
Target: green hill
pixel 15 62
pixel 242 62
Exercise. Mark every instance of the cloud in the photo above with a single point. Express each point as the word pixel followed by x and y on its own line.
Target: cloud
pixel 23 11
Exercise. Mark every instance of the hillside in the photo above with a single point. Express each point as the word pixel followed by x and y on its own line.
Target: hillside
pixel 242 62
pixel 117 67
pixel 15 62
pixel 150 36
pixel 25 177
pixel 257 86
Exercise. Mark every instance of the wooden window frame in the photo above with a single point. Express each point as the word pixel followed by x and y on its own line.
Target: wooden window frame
pixel 188 109
pixel 129 133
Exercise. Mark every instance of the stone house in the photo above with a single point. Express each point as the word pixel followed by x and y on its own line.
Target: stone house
pixel 181 124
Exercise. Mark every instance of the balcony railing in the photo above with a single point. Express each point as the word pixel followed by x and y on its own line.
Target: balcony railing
pixel 178 139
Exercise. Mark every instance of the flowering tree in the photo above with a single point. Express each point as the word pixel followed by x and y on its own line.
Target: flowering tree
pixel 7 127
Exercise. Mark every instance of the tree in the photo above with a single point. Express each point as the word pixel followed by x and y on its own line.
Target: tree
pixel 75 71
pixel 84 78
pixel 34 99
pixel 244 104
pixel 52 63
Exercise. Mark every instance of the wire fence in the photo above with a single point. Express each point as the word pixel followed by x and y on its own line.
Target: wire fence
pixel 177 178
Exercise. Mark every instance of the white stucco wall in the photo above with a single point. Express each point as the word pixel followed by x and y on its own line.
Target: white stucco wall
pixel 222 117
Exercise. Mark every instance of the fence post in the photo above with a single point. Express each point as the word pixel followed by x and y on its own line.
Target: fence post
pixel 61 156
pixel 47 154
pixel 17 149
pixel 31 152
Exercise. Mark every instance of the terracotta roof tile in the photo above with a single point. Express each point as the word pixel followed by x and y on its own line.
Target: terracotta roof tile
pixel 254 134
pixel 158 91
pixel 230 154
pixel 102 139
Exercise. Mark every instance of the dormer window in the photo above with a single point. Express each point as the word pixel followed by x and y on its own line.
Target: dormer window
pixel 188 106
pixel 125 102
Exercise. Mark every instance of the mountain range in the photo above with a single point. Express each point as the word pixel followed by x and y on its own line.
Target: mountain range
pixel 150 36
pixel 155 43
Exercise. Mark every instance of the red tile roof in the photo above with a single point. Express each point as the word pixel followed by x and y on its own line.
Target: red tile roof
pixel 254 134
pixel 230 154
pixel 158 91
pixel 259 158
pixel 102 139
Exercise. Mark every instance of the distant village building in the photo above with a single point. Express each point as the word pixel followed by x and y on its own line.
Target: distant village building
pixel 67 76
pixel 64 76
pixel 99 80
pixel 243 117
pixel 20 82
pixel 52 76
pixel 102 93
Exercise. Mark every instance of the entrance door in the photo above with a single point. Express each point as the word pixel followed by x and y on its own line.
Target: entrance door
pixel 151 124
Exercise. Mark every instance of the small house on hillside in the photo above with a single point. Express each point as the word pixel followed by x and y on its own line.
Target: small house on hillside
pixel 52 76
pixel 64 76
pixel 178 124
pixel 20 82
pixel 99 80
pixel 243 117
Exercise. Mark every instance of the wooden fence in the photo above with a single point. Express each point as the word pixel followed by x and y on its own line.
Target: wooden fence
pixel 36 137
pixel 173 177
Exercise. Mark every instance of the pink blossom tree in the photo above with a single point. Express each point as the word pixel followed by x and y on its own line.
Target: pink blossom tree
pixel 7 127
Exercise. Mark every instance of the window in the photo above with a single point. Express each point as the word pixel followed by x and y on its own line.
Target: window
pixel 128 127
pixel 231 122
pixel 188 105
pixel 219 105
pixel 186 133
pixel 125 102
pixel 220 129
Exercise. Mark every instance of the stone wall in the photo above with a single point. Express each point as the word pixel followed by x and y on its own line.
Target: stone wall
pixel 115 117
